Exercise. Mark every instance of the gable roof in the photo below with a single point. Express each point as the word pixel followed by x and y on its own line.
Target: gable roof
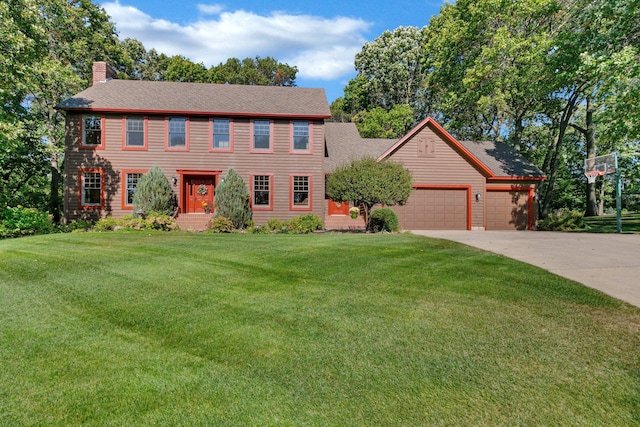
pixel 344 144
pixel 494 160
pixel 200 99
pixel 502 160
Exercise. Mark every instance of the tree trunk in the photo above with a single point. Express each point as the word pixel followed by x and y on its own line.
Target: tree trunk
pixel 554 162
pixel 592 205
pixel 54 199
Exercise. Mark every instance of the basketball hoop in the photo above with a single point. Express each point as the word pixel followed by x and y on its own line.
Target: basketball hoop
pixel 592 175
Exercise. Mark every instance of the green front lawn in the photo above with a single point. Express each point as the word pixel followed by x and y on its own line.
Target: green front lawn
pixel 259 330
pixel 608 223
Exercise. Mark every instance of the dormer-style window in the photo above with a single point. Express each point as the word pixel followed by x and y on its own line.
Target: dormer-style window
pixel 92 132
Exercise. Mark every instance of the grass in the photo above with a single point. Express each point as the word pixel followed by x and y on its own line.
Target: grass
pixel 194 329
pixel 608 223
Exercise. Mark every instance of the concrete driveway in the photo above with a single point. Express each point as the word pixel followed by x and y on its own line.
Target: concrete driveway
pixel 608 262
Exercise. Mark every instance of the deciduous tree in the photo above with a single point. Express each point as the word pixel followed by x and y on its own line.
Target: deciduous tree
pixel 367 182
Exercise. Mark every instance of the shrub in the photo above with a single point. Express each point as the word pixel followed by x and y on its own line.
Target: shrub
pixel 304 224
pixel 383 219
pixel 232 200
pixel 162 223
pixel 221 224
pixel 153 194
pixel 105 224
pixel 20 221
pixel 262 229
pixel 76 226
pixel 274 224
pixel 563 221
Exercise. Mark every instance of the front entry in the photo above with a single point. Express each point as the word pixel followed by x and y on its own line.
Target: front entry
pixel 199 194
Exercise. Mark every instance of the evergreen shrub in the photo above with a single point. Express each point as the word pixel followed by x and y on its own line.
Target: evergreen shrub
pixel 232 200
pixel 153 194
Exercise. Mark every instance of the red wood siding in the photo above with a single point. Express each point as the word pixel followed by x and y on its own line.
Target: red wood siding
pixel 113 160
pixel 441 165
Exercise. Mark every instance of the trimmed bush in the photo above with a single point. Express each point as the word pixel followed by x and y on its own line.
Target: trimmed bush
pixel 304 224
pixel 153 194
pixel 221 224
pixel 563 221
pixel 20 221
pixel 105 224
pixel 275 225
pixel 384 219
pixel 232 200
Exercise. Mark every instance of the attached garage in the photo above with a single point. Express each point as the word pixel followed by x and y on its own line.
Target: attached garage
pixel 509 208
pixel 436 208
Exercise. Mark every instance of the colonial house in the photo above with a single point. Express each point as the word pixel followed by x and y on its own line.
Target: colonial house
pixel 279 142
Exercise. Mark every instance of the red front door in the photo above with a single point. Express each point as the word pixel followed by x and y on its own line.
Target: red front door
pixel 199 194
pixel 338 208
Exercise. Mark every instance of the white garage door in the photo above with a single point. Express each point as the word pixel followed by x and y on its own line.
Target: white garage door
pixel 434 209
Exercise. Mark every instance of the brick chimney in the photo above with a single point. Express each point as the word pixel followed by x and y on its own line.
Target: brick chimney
pixel 102 72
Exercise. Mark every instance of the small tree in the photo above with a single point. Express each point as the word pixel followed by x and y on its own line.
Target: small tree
pixel 153 193
pixel 232 200
pixel 368 182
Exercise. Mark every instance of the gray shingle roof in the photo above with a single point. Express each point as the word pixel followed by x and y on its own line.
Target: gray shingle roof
pixel 502 160
pixel 344 145
pixel 200 98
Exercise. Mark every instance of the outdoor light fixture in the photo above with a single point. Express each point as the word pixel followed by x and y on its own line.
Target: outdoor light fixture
pixel 174 180
pixel 478 197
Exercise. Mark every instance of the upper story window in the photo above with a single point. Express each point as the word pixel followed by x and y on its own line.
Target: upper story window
pixel 92 132
pixel 178 133
pixel 91 188
pixel 262 136
pixel 301 133
pixel 135 132
pixel 221 135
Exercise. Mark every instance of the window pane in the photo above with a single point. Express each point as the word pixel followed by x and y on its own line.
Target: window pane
pixel 261 130
pixel 301 136
pixel 92 130
pixel 261 190
pixel 91 188
pixel 132 183
pixel 221 133
pixel 177 132
pixel 301 191
pixel 135 131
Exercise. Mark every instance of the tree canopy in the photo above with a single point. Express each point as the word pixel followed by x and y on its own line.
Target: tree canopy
pixel 368 182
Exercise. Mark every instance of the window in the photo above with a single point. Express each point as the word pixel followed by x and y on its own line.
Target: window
pixel 131 183
pixel 261 198
pixel 91 188
pixel 262 135
pixel 221 134
pixel 177 133
pixel 135 132
pixel 92 132
pixel 300 192
pixel 301 136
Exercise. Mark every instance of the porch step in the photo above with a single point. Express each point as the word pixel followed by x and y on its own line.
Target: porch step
pixel 194 221
pixel 343 222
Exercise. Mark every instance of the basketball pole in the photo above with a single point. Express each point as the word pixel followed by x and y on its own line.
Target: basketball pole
pixel 618 201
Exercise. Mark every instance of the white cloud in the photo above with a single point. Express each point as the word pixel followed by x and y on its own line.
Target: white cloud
pixel 321 48
pixel 210 9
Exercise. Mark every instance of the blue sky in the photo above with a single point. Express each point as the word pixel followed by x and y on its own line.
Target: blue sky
pixel 321 38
